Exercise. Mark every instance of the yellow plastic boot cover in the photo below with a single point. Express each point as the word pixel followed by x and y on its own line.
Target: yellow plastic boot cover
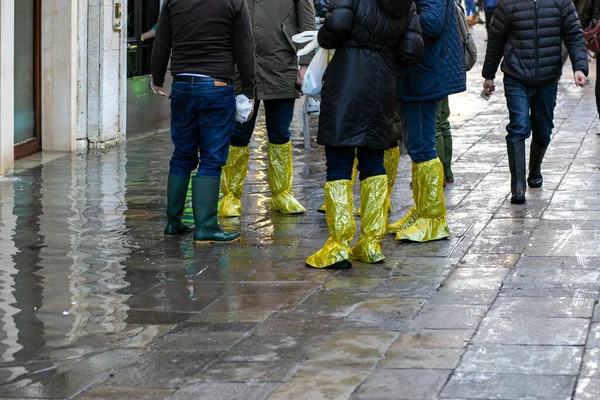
pixel 281 173
pixel 373 204
pixel 232 181
pixel 340 221
pixel 391 159
pixel 354 173
pixel 431 206
pixel 411 217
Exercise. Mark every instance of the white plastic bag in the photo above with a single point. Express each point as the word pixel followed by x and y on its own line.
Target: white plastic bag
pixel 243 108
pixel 313 79
pixel 309 37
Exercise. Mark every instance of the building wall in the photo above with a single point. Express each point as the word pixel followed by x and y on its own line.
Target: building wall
pixel 106 72
pixel 7 41
pixel 59 74
pixel 83 76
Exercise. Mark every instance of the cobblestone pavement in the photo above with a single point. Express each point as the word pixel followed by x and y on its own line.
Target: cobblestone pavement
pixel 96 304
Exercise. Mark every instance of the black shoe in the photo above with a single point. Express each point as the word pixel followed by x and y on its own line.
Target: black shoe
pixel 518 199
pixel 536 156
pixel 344 264
pixel 205 196
pixel 516 162
pixel 177 188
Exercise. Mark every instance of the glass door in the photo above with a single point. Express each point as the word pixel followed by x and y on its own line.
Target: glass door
pixel 27 78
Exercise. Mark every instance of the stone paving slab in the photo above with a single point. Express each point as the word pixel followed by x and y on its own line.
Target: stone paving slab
pixel 402 384
pixel 526 360
pixel 224 391
pixel 351 350
pixel 587 389
pixel 509 386
pixel 533 331
pixel 314 384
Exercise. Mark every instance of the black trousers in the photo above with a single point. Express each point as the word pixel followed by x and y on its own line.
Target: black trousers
pixel 489 13
pixel 340 162
pixel 598 85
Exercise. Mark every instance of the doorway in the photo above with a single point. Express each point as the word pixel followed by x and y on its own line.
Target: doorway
pixel 27 60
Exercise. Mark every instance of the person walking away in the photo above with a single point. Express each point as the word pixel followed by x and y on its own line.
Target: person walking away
pixel 279 73
pixel 357 108
pixel 489 7
pixel 528 36
pixel 589 16
pixel 420 89
pixel 203 57
pixel 471 7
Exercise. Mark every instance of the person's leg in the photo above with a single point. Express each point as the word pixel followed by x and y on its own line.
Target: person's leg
pixel 489 14
pixel 340 162
pixel 391 159
pixel 415 145
pixel 543 103
pixel 427 220
pixel 518 102
pixel 598 88
pixel 373 205
pixel 339 205
pixel 471 9
pixel 322 210
pixel 236 169
pixel 185 137
pixel 216 123
pixel 443 138
pixel 279 115
pixel 242 133
pixel 448 146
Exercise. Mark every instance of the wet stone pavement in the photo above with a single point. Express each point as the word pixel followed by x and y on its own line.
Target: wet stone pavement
pixel 95 303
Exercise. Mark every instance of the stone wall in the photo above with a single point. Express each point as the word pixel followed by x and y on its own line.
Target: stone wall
pixel 84 82
pixel 7 41
pixel 106 73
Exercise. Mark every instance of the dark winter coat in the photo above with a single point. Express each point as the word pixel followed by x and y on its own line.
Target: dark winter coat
pixel 528 34
pixel 442 71
pixel 370 38
pixel 589 12
pixel 274 23
pixel 490 4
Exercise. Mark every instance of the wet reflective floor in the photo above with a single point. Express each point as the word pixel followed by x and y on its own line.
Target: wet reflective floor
pixel 95 303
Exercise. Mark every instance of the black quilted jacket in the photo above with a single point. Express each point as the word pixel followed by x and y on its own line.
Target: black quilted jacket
pixel 371 38
pixel 529 35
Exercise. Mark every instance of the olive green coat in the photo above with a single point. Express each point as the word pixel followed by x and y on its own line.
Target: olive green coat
pixel 274 23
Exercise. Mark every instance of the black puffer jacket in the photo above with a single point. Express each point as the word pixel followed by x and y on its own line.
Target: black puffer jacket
pixel 529 35
pixel 371 37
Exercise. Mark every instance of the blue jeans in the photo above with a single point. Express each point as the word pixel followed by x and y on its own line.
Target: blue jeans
pixel 278 116
pixel 340 162
pixel 202 120
pixel 420 123
pixel 471 8
pixel 531 110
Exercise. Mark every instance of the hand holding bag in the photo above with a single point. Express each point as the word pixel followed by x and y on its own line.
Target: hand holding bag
pixel 313 79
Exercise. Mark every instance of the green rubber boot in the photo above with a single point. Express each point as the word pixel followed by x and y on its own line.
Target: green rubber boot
pixel 205 196
pixel 177 188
